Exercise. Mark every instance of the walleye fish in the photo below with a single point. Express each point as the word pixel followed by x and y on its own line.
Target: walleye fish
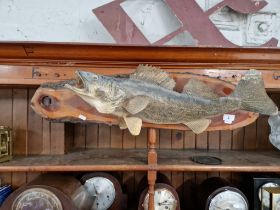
pixel 147 95
pixel 274 136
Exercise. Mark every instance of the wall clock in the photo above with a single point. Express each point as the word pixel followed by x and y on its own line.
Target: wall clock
pixel 227 198
pixel 216 193
pixel 260 182
pixel 166 198
pixel 105 190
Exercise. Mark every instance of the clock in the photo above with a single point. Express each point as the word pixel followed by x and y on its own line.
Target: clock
pixel 47 191
pixel 166 198
pixel 260 182
pixel 227 198
pixel 272 198
pixel 105 191
pixel 216 193
pixel 38 197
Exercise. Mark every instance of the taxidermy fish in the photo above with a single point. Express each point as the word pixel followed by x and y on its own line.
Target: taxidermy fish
pixel 147 95
pixel 274 136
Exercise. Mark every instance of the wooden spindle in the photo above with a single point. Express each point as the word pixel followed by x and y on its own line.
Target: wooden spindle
pixel 152 161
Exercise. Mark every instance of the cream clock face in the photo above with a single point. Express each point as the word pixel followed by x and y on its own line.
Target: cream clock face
pixel 164 200
pixel 228 200
pixel 265 199
pixel 37 198
pixel 103 192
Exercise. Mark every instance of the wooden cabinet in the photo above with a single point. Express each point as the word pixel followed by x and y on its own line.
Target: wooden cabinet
pixel 42 146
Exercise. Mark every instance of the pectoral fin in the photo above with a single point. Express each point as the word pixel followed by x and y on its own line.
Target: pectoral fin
pixel 136 104
pixel 134 125
pixel 122 124
pixel 198 126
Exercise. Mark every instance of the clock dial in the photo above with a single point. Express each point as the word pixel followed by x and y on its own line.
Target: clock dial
pixel 164 200
pixel 277 205
pixel 228 200
pixel 265 194
pixel 103 192
pixel 37 198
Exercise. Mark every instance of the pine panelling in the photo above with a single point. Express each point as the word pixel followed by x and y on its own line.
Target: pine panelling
pixel 201 143
pixel 214 141
pixel 58 144
pixel 104 136
pixel 141 140
pixel 177 178
pixel 165 142
pixel 91 136
pixel 35 129
pixel 189 140
pixel 238 139
pixel 250 137
pixel 80 131
pixel 263 130
pixel 116 137
pixel 46 137
pixel 226 144
pixel 20 104
pixel 226 140
pixel 140 143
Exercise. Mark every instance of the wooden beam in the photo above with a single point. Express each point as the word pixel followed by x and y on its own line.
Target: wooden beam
pixel 94 52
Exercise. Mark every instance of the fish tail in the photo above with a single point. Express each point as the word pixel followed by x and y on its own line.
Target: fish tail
pixel 250 90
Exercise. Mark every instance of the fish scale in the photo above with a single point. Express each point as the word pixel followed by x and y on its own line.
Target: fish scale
pixel 147 95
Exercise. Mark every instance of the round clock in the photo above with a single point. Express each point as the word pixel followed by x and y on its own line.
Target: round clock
pixel 261 192
pixel 105 191
pixel 37 198
pixel 166 198
pixel 228 198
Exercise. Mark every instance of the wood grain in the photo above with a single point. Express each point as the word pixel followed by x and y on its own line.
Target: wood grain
pixel 35 125
pixel 20 121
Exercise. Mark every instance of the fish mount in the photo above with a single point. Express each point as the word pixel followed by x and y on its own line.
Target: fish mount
pixel 56 103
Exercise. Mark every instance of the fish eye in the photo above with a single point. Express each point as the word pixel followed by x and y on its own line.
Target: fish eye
pixel 94 77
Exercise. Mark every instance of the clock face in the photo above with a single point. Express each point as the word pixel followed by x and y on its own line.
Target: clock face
pixel 37 198
pixel 228 200
pixel 277 205
pixel 265 194
pixel 103 192
pixel 164 200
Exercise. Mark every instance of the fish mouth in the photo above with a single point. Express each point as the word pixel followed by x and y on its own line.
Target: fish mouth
pixel 80 84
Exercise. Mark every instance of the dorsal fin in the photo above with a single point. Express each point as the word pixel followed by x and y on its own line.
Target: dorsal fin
pixel 153 75
pixel 195 87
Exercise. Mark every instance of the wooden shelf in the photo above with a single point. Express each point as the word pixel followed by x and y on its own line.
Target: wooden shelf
pixel 232 161
pixel 136 160
pixel 85 160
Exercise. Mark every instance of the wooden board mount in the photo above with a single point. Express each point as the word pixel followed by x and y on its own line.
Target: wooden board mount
pixel 54 102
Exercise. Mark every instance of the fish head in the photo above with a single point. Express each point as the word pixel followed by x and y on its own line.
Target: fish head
pixel 89 83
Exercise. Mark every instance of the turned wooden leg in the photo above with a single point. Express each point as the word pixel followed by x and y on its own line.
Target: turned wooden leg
pixel 152 175
pixel 152 161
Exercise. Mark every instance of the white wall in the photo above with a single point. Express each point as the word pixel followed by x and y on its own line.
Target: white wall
pixel 52 20
pixel 73 21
